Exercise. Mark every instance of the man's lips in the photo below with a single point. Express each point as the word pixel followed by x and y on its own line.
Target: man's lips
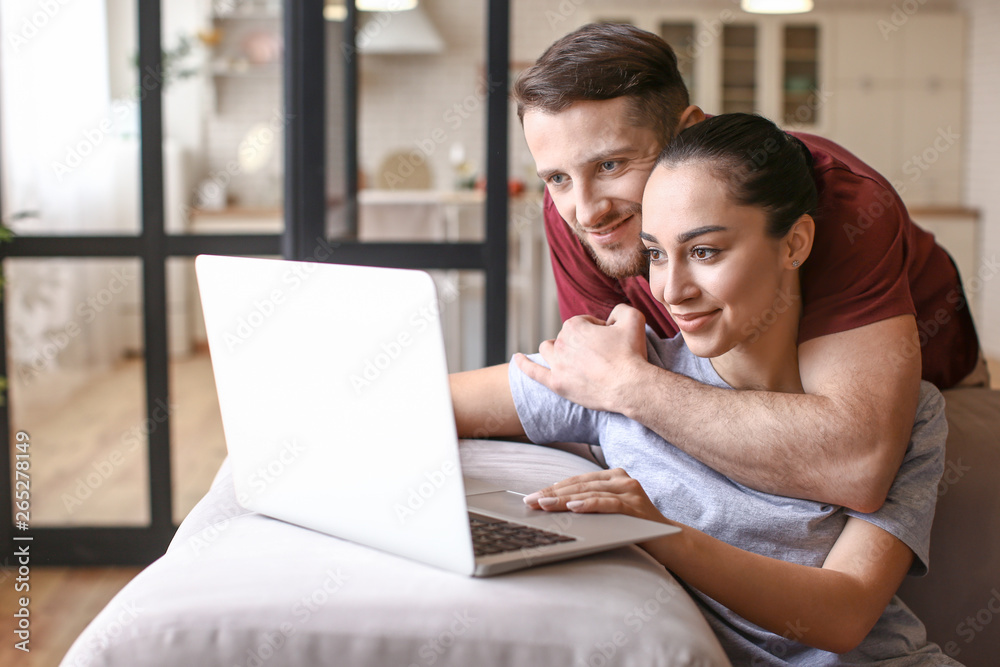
pixel 611 234
pixel 692 322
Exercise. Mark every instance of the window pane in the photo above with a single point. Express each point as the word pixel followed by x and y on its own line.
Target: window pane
pixel 421 122
pixel 224 117
pixel 77 387
pixel 197 443
pixel 69 105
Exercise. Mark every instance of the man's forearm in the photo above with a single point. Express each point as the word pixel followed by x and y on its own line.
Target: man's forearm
pixel 797 445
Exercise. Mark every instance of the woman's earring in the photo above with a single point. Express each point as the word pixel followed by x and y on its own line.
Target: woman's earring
pixel 795 263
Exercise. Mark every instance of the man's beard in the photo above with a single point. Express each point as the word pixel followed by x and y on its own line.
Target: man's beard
pixel 622 260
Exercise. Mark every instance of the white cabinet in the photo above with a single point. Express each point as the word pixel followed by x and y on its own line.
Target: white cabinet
pixel 898 100
pixel 738 62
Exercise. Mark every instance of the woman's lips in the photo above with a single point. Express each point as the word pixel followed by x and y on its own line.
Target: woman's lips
pixel 692 322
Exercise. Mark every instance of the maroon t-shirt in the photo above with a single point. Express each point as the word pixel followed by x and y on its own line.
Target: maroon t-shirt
pixel 869 262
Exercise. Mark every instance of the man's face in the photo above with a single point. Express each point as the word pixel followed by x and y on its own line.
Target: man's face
pixel 595 165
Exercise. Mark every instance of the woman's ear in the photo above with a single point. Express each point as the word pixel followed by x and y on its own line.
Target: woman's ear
pixel 799 241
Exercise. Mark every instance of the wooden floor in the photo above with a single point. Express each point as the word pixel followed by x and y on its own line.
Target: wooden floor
pixel 65 600
pixel 88 441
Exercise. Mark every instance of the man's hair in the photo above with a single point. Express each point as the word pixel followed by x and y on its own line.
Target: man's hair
pixel 602 61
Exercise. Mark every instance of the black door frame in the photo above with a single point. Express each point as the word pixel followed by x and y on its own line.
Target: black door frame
pixel 303 239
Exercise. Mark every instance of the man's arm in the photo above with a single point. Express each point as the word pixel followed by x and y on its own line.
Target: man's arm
pixel 484 406
pixel 840 442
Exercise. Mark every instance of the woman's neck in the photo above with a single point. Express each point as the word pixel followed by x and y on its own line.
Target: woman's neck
pixel 771 361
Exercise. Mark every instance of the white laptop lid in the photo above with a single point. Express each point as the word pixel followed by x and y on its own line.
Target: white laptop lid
pixel 317 437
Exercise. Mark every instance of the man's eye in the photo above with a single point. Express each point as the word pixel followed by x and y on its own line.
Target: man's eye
pixel 557 179
pixel 608 165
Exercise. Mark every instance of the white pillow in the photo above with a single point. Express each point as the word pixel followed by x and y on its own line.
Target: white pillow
pixel 237 588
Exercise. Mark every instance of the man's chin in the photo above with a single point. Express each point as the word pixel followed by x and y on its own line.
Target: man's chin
pixel 620 263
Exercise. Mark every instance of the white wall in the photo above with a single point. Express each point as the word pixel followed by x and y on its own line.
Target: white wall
pixel 982 168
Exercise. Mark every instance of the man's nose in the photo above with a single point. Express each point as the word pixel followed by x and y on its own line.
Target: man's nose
pixel 591 206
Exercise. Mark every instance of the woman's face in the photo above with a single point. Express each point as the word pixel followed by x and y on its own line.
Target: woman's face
pixel 723 280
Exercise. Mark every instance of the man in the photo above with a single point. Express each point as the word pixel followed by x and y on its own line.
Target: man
pixel 596 110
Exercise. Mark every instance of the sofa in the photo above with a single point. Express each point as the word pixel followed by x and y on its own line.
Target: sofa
pixel 237 588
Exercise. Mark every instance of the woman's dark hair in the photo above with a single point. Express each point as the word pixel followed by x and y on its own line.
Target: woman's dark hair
pixel 761 165
pixel 602 61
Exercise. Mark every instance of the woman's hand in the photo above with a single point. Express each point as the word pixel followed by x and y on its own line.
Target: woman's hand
pixel 603 492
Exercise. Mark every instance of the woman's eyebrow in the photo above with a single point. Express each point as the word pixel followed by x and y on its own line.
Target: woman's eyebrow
pixel 684 237
pixel 645 236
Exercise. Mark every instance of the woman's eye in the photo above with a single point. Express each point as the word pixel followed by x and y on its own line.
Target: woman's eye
pixel 653 254
pixel 704 253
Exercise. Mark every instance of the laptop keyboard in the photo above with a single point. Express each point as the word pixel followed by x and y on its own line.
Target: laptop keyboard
pixel 494 536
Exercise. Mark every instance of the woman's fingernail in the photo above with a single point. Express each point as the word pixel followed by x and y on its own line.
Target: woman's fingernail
pixel 574 504
pixel 532 497
pixel 548 501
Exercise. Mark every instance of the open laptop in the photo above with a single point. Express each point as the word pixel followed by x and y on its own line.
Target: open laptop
pixel 337 413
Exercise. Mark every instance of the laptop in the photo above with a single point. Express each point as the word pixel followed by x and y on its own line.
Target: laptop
pixel 337 413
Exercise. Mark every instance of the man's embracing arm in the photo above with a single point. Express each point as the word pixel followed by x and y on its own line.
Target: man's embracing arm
pixel 840 442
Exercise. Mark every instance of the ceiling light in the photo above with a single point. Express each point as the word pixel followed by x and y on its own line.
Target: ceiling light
pixel 776 6
pixel 336 10
pixel 385 5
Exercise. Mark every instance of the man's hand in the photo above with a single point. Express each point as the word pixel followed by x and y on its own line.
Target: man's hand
pixel 593 362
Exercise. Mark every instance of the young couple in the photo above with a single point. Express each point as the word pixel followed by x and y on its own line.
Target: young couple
pixel 727 223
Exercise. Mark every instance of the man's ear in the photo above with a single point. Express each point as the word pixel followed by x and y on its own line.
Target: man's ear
pixel 690 116
pixel 799 241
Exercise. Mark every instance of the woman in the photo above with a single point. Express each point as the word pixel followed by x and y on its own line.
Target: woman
pixel 727 222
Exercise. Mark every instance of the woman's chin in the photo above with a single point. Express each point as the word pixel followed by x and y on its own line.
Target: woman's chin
pixel 703 347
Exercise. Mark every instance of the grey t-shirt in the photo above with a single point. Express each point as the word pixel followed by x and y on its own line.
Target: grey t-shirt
pixel 789 529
